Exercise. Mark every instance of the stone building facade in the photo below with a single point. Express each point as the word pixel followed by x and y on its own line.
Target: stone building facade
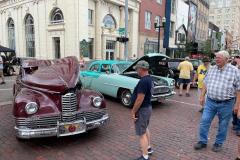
pixel 56 28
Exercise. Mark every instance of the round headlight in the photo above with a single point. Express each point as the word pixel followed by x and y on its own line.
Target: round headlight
pixel 172 83
pixel 97 101
pixel 31 108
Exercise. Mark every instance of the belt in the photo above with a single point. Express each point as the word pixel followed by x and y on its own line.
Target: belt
pixel 221 101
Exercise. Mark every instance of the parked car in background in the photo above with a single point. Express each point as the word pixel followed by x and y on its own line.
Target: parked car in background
pixel 49 100
pixel 118 79
pixel 173 65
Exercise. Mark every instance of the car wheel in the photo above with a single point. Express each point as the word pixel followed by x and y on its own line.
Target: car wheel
pixel 10 71
pixel 125 97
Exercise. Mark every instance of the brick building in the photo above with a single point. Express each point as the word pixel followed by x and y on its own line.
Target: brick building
pixel 150 11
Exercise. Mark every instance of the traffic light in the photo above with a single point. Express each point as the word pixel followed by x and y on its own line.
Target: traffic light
pixel 122 39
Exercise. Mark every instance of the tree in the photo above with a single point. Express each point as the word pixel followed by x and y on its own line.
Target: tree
pixel 207 49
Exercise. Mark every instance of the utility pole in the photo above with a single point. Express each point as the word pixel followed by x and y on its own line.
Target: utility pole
pixel 126 31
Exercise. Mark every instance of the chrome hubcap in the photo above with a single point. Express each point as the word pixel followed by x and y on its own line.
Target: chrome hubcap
pixel 126 98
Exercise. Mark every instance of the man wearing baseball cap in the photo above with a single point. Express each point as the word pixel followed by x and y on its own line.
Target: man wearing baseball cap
pixel 142 108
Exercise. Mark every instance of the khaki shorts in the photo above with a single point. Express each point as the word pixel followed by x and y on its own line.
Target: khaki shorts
pixel 1 72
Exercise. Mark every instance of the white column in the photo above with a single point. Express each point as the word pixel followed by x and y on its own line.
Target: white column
pixel 134 33
pixel 103 48
pixel 98 31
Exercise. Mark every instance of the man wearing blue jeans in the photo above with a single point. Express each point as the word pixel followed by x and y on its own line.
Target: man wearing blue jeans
pixel 220 85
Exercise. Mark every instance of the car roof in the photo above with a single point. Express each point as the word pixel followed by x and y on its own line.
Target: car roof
pixel 111 62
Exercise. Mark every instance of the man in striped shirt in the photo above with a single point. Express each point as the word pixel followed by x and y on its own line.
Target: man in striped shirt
pixel 220 85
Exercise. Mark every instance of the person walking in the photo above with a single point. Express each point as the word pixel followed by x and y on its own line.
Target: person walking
pixel 238 116
pixel 142 108
pixel 221 86
pixel 200 75
pixel 236 120
pixel 82 62
pixel 185 69
pixel 1 70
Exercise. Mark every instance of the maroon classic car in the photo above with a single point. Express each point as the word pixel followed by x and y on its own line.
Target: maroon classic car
pixel 49 100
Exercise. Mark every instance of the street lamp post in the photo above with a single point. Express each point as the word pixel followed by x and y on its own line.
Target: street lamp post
pixel 158 26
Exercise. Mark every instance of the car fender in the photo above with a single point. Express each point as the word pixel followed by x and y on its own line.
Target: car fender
pixel 113 82
pixel 45 103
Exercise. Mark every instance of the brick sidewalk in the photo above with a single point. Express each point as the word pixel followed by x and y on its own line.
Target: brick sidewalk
pixel 174 128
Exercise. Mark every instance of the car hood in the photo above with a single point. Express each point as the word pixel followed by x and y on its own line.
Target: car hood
pixel 51 75
pixel 157 62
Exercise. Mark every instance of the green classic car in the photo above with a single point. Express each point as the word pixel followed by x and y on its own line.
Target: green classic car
pixel 118 79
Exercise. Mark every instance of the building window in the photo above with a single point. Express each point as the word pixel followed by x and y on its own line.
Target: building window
pixel 150 47
pixel 90 17
pixel 181 37
pixel 159 1
pixel 30 36
pixel 172 25
pixel 148 20
pixel 173 6
pixel 11 34
pixel 57 16
pixel 109 22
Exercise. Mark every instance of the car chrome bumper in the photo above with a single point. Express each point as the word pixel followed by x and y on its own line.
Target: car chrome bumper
pixel 26 133
pixel 162 96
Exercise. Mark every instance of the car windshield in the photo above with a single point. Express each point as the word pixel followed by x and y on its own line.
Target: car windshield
pixel 119 68
pixel 173 65
pixel 195 63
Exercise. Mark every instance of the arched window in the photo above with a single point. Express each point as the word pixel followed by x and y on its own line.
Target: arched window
pixel 109 22
pixel 30 36
pixel 57 16
pixel 11 33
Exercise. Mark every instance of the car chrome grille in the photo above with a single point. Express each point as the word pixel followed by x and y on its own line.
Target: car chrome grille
pixel 161 90
pixel 91 116
pixel 51 122
pixel 69 106
pixel 37 122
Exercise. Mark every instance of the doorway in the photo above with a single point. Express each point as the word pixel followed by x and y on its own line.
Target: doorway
pixel 110 50
pixel 57 47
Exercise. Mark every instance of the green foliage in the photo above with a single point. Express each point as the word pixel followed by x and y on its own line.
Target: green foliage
pixel 219 37
pixel 207 48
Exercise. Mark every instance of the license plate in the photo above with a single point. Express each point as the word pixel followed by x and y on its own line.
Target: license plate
pixel 160 99
pixel 72 128
pixel 68 126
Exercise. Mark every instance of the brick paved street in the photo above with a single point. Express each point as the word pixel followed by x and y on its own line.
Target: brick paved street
pixel 174 128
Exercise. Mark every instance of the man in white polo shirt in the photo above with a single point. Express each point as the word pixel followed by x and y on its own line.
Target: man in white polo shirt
pixel 1 70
